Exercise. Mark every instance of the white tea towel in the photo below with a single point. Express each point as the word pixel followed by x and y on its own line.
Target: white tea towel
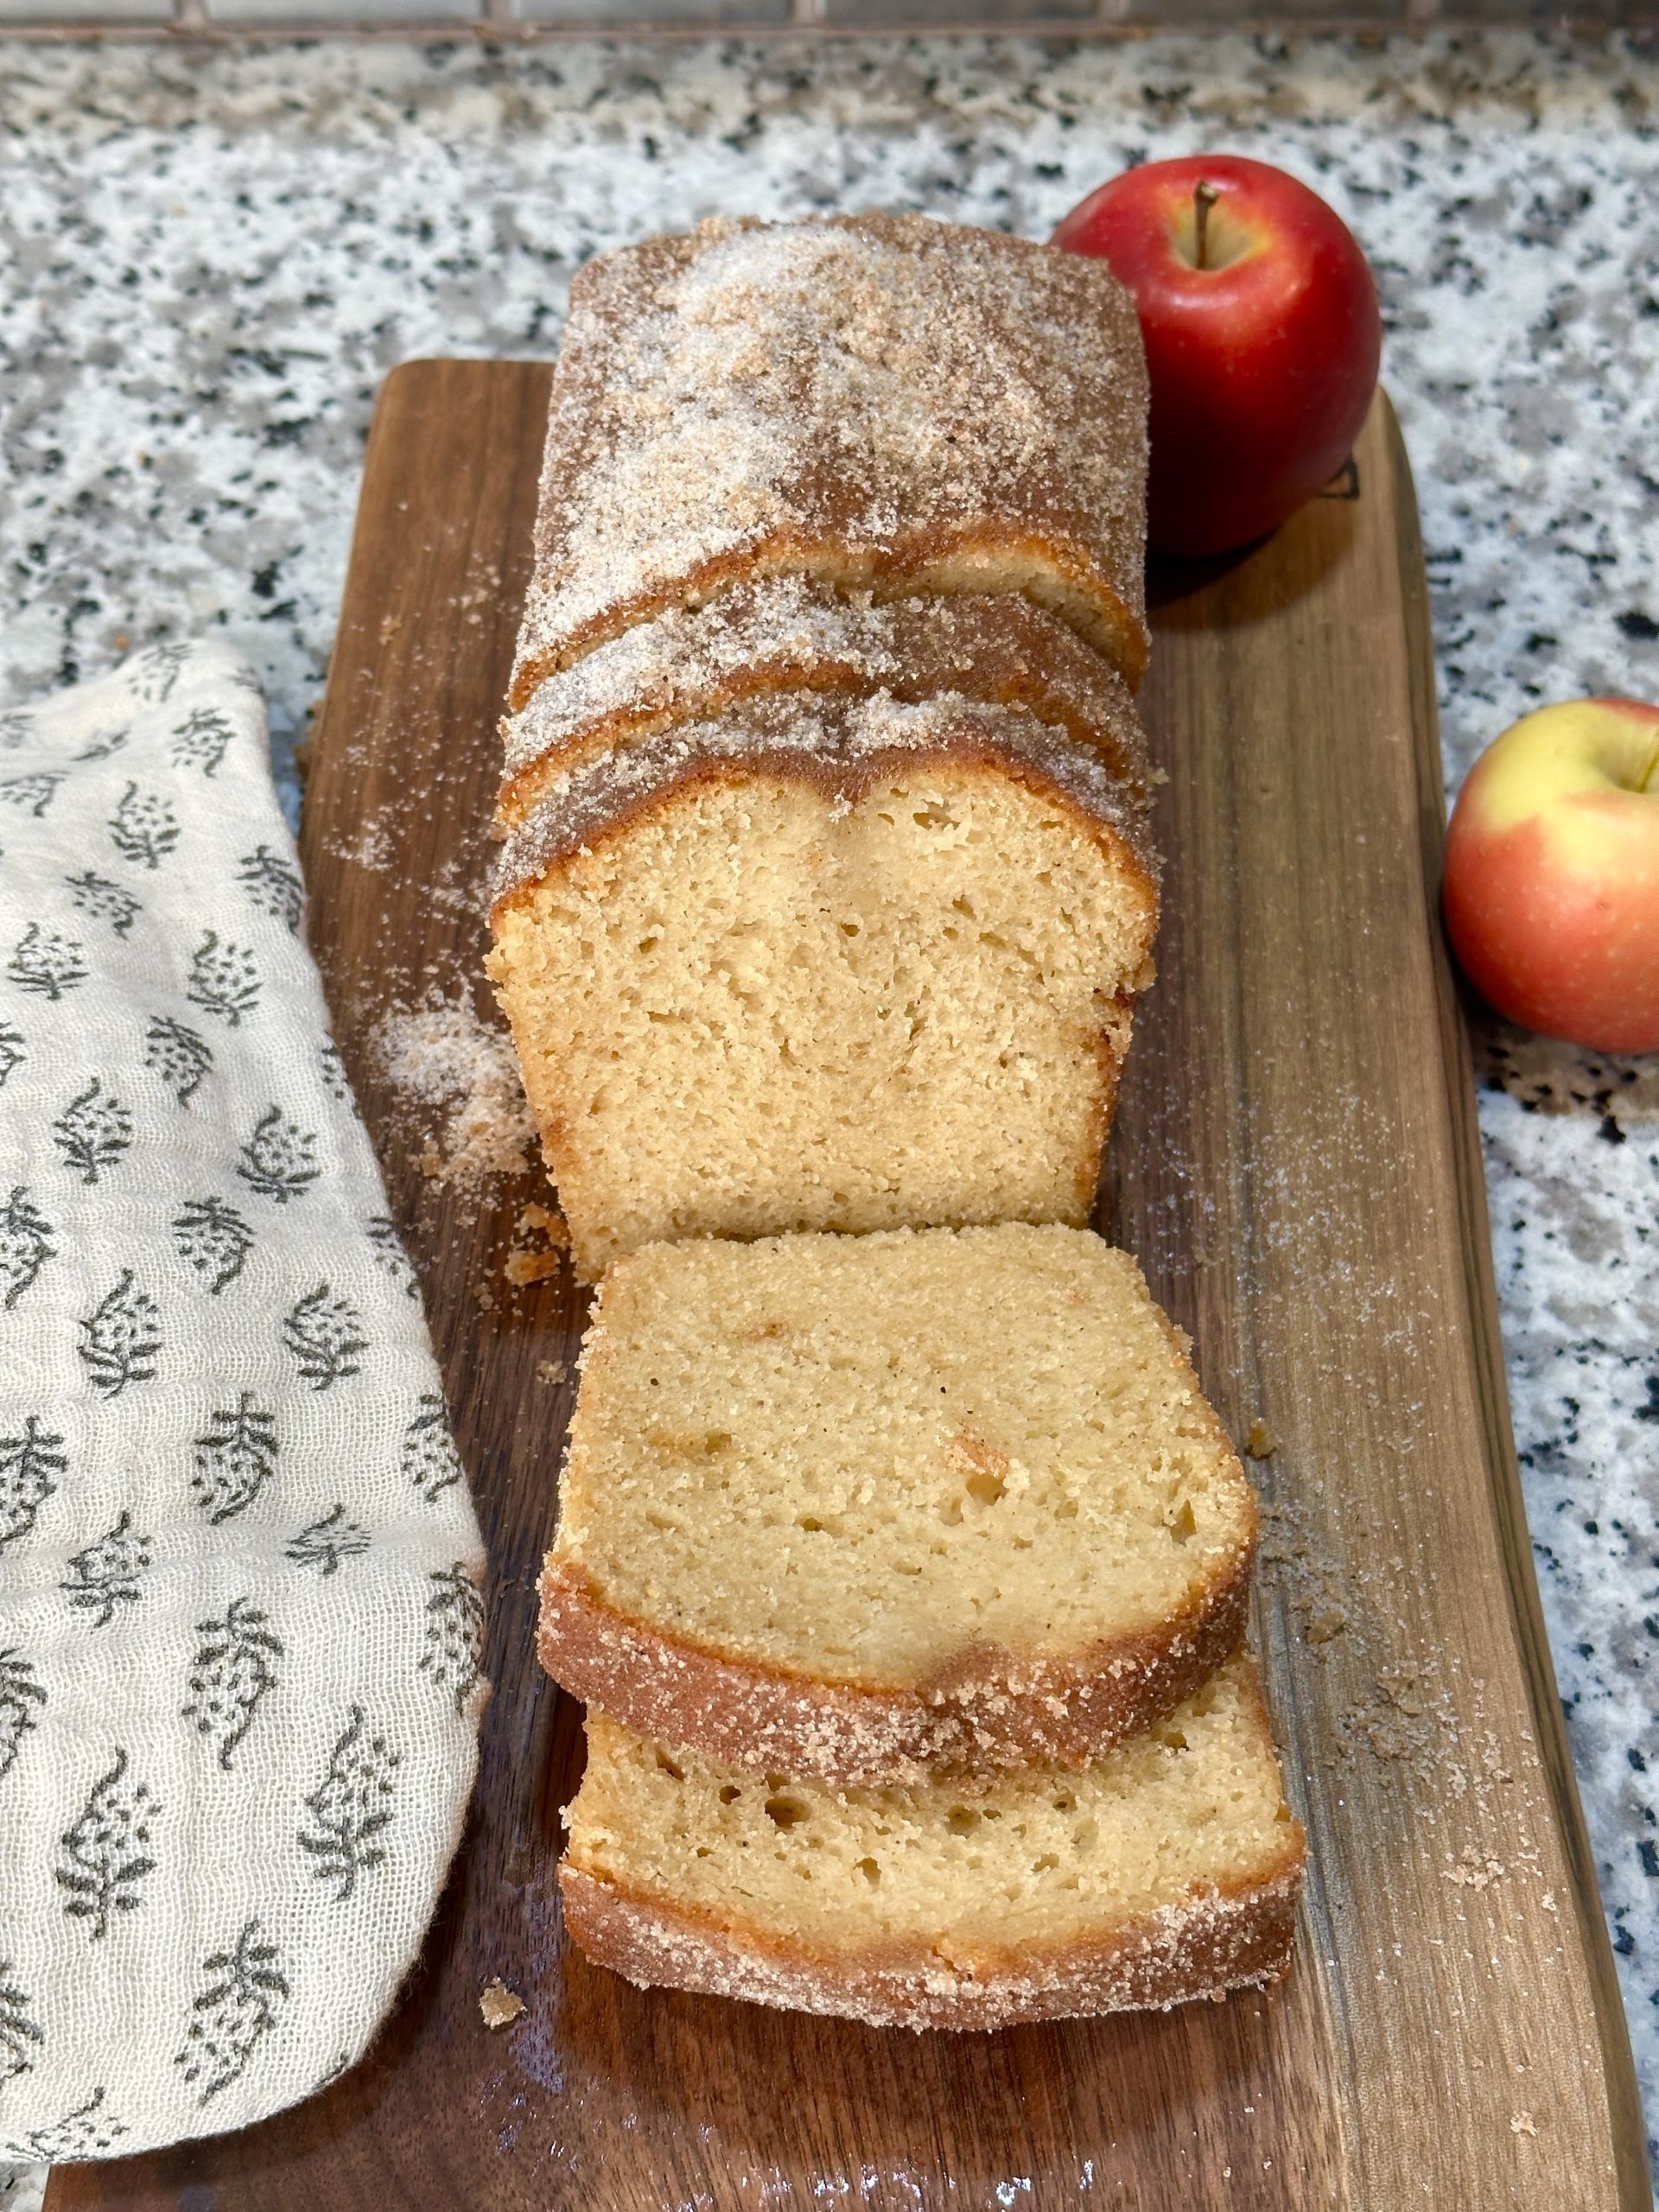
pixel 240 1608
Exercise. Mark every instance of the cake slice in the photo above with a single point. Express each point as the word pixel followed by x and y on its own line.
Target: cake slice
pixel 1166 1870
pixel 854 1507
pixel 825 964
pixel 881 402
pixel 791 633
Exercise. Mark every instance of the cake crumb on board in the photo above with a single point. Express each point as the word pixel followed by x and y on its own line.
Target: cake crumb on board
pixel 499 2006
pixel 522 1266
pixel 1475 1869
pixel 536 1264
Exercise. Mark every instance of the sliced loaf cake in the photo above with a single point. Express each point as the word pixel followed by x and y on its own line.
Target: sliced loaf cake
pixel 825 964
pixel 854 1506
pixel 878 401
pixel 1168 1870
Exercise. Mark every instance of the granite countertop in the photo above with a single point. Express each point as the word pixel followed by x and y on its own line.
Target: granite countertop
pixel 212 258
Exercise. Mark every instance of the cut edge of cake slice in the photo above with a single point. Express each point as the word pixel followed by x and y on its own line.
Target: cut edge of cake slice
pixel 907 1909
pixel 784 972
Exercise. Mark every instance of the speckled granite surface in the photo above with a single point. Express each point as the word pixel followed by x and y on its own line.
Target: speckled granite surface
pixel 211 259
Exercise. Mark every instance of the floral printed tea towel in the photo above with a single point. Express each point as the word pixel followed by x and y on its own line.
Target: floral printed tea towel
pixel 240 1616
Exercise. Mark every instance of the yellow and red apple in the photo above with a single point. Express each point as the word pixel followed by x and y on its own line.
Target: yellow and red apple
pixel 1552 874
pixel 1262 336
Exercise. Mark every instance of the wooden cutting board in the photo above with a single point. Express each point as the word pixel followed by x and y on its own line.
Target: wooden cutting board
pixel 1296 1164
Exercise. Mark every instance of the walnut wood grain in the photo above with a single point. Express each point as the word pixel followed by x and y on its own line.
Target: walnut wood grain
pixel 1296 1164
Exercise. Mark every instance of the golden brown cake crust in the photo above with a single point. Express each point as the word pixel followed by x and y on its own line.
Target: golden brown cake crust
pixel 1203 1948
pixel 842 747
pixel 789 634
pixel 882 402
pixel 993 1709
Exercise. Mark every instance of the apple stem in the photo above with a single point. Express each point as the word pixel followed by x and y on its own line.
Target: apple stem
pixel 1204 196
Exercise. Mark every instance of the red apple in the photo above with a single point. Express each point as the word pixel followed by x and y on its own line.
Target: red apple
pixel 1552 874
pixel 1262 337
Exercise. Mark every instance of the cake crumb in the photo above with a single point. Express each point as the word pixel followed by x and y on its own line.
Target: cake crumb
pixel 499 2006
pixel 1522 2123
pixel 1475 1869
pixel 528 1262
pixel 1261 1443
pixel 551 1370
pixel 521 1266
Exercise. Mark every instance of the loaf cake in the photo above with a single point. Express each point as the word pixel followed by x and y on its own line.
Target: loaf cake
pixel 1165 1871
pixel 825 963
pixel 854 1507
pixel 792 633
pixel 881 402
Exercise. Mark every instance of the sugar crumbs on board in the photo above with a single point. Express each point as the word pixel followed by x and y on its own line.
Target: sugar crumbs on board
pixel 441 1056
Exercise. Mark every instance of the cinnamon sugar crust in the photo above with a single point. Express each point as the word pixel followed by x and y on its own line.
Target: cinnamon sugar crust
pixel 993 1708
pixel 1208 1947
pixel 879 402
pixel 790 633
pixel 1168 1870
pixel 842 747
